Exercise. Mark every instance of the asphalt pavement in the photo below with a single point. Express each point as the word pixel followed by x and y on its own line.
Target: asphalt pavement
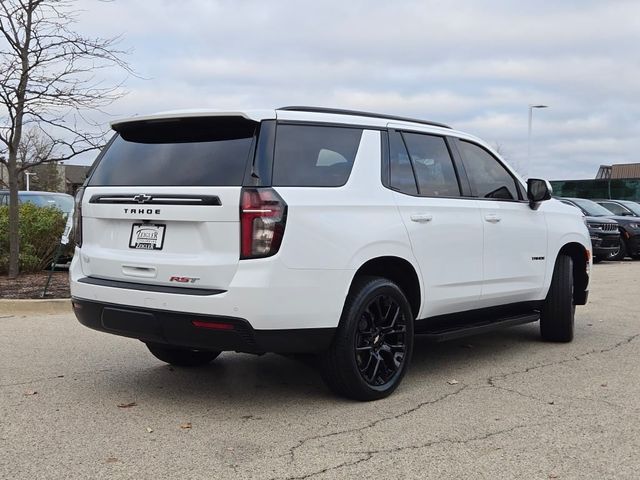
pixel 79 404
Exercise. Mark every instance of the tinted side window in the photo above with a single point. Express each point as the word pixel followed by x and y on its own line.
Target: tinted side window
pixel 400 169
pixel 615 208
pixel 433 165
pixel 314 155
pixel 488 177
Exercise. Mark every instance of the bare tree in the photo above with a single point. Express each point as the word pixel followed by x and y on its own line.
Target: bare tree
pixel 48 78
pixel 506 156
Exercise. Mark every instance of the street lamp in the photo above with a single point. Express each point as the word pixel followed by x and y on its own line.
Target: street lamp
pixel 531 107
pixel 28 175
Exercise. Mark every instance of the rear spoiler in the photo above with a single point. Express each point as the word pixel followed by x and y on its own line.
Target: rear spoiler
pixel 253 115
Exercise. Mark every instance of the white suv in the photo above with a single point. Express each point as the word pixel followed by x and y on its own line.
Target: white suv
pixel 312 230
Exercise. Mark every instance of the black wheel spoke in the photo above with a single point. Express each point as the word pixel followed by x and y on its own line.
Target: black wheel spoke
pixel 381 341
pixel 375 369
pixel 364 349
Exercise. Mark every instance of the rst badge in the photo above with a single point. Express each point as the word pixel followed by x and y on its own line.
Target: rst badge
pixel 147 236
pixel 181 279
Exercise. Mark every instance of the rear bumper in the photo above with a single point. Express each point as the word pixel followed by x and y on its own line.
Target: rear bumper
pixel 263 292
pixel 177 328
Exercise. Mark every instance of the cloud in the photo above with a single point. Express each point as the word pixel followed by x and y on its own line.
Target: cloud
pixel 475 65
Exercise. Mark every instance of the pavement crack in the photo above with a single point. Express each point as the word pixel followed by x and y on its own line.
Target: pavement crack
pixel 54 377
pixel 359 430
pixel 491 380
pixel 370 454
pixel 335 467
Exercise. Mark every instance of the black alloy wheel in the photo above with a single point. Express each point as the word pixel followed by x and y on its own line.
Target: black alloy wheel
pixel 380 342
pixel 372 346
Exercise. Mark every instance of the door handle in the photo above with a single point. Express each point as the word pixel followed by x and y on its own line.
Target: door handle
pixel 492 218
pixel 421 218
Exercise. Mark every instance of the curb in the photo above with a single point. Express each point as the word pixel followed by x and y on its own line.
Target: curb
pixel 45 306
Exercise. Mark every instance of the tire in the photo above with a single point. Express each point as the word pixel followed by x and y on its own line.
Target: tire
pixel 597 259
pixel 181 357
pixel 619 254
pixel 373 344
pixel 558 311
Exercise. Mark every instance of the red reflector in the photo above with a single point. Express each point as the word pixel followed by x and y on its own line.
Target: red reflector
pixel 212 325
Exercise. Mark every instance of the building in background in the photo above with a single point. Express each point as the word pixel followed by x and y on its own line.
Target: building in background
pixel 619 181
pixel 50 177
pixel 619 171
pixel 74 176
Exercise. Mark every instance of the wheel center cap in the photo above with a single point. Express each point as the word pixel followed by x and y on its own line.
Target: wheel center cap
pixel 376 339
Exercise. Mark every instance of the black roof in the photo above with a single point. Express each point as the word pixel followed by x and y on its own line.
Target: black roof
pixel 339 111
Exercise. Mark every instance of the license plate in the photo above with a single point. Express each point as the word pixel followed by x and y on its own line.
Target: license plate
pixel 147 236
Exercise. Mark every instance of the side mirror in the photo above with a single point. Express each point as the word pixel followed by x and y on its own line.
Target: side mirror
pixel 538 190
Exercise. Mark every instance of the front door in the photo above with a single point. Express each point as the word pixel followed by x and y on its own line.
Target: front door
pixel 515 236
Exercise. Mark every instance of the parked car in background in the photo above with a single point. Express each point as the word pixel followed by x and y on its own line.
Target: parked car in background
pixel 61 201
pixel 605 236
pixel 629 227
pixel 625 208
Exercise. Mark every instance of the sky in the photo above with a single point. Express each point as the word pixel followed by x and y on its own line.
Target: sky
pixel 475 65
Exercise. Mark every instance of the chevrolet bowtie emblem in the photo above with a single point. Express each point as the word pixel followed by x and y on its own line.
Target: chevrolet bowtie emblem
pixel 142 198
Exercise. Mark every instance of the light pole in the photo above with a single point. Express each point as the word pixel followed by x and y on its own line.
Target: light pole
pixel 531 107
pixel 28 175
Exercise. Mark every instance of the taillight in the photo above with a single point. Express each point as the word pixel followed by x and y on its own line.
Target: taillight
pixel 77 218
pixel 263 215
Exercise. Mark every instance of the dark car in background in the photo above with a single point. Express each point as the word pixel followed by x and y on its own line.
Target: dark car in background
pixel 604 233
pixel 624 208
pixel 629 226
pixel 61 201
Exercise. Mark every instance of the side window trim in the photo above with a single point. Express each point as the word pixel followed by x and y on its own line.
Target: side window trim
pixel 413 167
pixel 516 182
pixel 387 181
pixel 463 178
pixel 385 156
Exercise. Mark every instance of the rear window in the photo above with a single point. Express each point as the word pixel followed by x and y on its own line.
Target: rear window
pixel 185 152
pixel 314 156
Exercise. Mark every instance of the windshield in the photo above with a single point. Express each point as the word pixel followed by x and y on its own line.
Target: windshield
pixel 61 202
pixel 633 206
pixel 591 208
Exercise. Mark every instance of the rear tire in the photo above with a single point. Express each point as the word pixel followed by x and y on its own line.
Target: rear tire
pixel 558 312
pixel 181 357
pixel 373 344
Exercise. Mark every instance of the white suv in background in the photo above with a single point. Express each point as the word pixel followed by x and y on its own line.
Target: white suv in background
pixel 312 230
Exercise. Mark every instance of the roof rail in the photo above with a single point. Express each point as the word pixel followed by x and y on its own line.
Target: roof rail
pixel 339 111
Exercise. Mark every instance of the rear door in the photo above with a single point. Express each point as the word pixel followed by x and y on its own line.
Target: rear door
pixel 444 228
pixel 162 204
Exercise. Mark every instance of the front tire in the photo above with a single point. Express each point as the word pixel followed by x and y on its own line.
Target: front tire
pixel 557 317
pixel 181 357
pixel 373 344
pixel 620 254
